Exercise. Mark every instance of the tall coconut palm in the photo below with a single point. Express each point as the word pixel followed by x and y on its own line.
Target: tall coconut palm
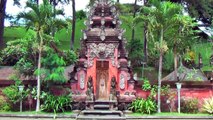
pixel 145 44
pixel 183 37
pixel 73 25
pixel 39 18
pixel 2 16
pixel 134 14
pixel 161 17
pixel 54 3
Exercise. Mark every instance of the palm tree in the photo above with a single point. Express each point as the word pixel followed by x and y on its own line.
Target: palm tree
pixel 73 25
pixel 161 17
pixel 134 14
pixel 54 3
pixel 39 18
pixel 2 16
pixel 183 36
pixel 145 51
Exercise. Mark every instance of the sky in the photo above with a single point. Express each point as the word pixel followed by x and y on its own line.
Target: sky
pixel 80 4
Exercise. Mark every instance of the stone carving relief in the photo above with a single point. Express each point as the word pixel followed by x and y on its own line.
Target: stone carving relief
pixel 122 81
pixel 96 49
pixel 82 80
pixel 113 61
pixel 89 63
pixel 101 51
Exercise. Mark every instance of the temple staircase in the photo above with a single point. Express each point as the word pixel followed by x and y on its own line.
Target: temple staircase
pixel 101 110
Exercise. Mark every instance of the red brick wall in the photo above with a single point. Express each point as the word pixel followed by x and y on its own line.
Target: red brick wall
pixel 200 93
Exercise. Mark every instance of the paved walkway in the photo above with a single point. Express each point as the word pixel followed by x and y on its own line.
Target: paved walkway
pixel 73 116
pixel 12 118
pixel 15 118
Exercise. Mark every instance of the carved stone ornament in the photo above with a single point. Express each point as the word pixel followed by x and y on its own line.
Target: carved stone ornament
pixel 113 61
pixel 100 51
pixel 122 81
pixel 96 49
pixel 102 35
pixel 82 80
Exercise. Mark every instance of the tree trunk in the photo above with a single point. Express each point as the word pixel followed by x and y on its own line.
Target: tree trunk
pixel 2 16
pixel 38 82
pixel 118 1
pixel 159 82
pixel 73 25
pixel 160 71
pixel 134 14
pixel 145 42
pixel 175 63
pixel 39 74
pixel 54 12
pixel 145 47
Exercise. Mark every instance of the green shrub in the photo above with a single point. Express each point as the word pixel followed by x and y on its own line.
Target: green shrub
pixel 208 105
pixel 189 105
pixel 52 103
pixel 12 93
pixel 4 105
pixel 146 85
pixel 144 106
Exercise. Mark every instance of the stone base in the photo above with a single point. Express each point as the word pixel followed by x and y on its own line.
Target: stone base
pixel 127 112
pixel 76 111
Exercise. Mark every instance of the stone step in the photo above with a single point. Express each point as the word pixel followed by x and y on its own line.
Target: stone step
pixel 95 117
pixel 105 101
pixel 101 107
pixel 102 112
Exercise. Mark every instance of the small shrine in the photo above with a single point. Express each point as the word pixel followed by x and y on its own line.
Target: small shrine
pixel 102 72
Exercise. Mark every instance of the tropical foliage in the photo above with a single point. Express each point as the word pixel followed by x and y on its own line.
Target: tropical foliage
pixel 36 54
pixel 162 21
pixel 189 105
pixel 144 106
pixel 41 18
pixel 4 105
pixel 208 105
pixel 55 104
pixel 135 48
pixel 13 95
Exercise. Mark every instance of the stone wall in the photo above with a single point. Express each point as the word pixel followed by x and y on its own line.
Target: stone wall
pixel 197 90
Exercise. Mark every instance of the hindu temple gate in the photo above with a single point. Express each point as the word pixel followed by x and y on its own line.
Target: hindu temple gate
pixel 102 72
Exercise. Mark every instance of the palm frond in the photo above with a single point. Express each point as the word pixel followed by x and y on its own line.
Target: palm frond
pixel 34 8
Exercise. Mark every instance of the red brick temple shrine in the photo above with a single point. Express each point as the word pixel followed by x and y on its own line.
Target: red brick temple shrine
pixel 102 73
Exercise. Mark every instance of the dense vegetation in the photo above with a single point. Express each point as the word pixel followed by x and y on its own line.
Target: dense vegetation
pixel 157 34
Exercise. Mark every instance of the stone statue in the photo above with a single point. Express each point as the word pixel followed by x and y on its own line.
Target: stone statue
pixel 113 88
pixel 90 89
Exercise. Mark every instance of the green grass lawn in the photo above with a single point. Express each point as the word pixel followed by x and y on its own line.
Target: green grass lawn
pixel 34 113
pixel 13 33
pixel 64 36
pixel 170 114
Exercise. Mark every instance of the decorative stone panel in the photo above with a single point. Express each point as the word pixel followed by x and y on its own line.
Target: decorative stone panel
pixel 122 81
pixel 82 80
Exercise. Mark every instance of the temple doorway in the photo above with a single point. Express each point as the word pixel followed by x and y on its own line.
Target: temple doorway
pixel 102 77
